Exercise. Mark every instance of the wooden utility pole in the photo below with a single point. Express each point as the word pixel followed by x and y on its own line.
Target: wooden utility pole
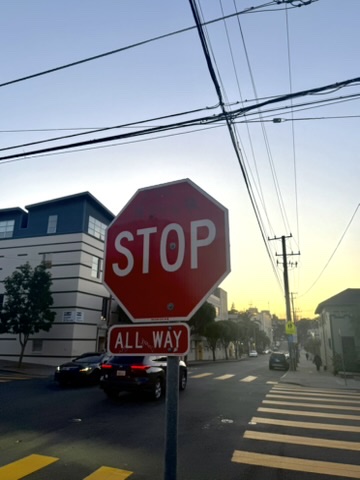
pixel 291 344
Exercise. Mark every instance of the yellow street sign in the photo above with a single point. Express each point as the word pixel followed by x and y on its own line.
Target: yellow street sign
pixel 290 328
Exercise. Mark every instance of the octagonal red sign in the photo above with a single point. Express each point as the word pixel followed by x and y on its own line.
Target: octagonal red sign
pixel 166 251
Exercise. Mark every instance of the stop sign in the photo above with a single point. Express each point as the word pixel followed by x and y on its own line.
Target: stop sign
pixel 166 251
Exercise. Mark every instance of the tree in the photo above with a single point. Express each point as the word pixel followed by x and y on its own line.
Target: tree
pixel 203 317
pixel 227 334
pixel 27 303
pixel 212 334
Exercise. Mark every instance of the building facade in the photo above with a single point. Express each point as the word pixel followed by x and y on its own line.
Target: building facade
pixel 339 331
pixel 68 234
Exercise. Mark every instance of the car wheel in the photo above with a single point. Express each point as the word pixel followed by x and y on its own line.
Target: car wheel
pixel 183 381
pixel 157 389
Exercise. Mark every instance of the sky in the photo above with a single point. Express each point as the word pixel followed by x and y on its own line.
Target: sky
pixel 303 169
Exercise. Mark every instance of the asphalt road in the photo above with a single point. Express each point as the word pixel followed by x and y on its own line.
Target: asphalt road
pixel 221 432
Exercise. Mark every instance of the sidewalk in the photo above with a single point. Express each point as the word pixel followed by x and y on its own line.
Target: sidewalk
pixel 306 375
pixel 30 369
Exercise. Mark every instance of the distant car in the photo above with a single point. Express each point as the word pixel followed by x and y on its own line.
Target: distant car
pixel 135 373
pixel 253 353
pixel 83 369
pixel 279 360
pixel 267 351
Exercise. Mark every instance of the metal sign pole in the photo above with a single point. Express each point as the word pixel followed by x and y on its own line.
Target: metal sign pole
pixel 172 415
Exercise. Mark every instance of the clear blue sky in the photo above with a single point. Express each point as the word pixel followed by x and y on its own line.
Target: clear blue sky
pixel 314 160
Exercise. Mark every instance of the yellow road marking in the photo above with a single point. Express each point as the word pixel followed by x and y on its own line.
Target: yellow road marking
pixel 303 397
pixel 308 414
pixel 315 426
pixel 201 375
pixel 298 440
pixel 109 473
pixel 300 404
pixel 25 466
pixel 313 394
pixel 316 390
pixel 224 377
pixel 250 378
pixel 297 464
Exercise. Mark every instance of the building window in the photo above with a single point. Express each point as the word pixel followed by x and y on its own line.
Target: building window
pixel 7 228
pixel 96 228
pixel 47 259
pixel 37 345
pixel 96 267
pixel 52 224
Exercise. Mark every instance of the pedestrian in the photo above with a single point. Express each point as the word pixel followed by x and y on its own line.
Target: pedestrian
pixel 307 355
pixel 318 362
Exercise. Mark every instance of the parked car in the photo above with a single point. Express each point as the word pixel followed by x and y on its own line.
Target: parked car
pixel 83 369
pixel 279 360
pixel 138 374
pixel 253 353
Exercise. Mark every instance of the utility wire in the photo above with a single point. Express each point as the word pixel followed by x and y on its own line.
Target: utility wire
pixel 104 129
pixel 128 47
pixel 230 127
pixel 223 116
pixel 332 255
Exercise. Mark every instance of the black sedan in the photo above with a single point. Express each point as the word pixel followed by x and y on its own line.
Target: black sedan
pixel 83 369
pixel 279 360
pixel 138 374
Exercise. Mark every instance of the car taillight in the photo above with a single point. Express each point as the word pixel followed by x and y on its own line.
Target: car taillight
pixel 105 366
pixel 140 368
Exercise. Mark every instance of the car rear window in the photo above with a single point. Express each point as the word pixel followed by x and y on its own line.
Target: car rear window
pixel 278 355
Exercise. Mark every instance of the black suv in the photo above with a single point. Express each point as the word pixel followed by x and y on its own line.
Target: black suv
pixel 138 373
pixel 279 360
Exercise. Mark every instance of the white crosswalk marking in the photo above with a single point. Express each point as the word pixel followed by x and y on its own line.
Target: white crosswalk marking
pixel 224 377
pixel 250 378
pixel 312 402
pixel 201 375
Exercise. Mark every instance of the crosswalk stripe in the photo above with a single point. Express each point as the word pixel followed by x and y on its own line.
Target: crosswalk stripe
pixel 250 378
pixel 313 394
pixel 305 397
pixel 297 464
pixel 309 425
pixel 299 440
pixel 224 377
pixel 109 473
pixel 318 391
pixel 301 404
pixel 308 414
pixel 25 466
pixel 272 383
pixel 201 375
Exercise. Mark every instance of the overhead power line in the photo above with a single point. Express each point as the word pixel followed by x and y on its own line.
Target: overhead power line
pixel 128 47
pixel 333 253
pixel 221 117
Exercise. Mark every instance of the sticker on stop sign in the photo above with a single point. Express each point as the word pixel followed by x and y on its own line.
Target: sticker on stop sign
pixel 166 252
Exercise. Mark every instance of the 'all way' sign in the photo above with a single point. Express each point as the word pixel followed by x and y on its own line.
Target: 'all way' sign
pixel 150 339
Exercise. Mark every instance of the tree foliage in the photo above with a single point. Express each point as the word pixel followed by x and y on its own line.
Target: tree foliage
pixel 202 318
pixel 27 303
